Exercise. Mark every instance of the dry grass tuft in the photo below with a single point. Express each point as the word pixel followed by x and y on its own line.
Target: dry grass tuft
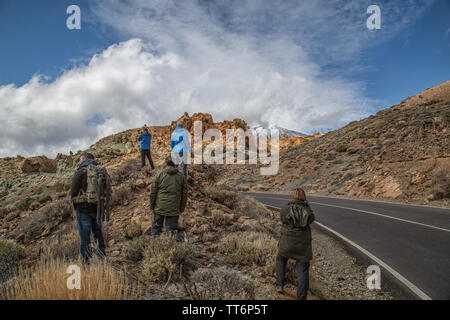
pixel 48 280
pixel 64 245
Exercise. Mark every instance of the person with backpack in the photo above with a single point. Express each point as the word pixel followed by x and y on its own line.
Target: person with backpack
pixel 179 142
pixel 295 242
pixel 146 138
pixel 90 193
pixel 168 196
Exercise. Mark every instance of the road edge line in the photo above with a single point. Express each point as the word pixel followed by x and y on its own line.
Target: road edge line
pixel 393 272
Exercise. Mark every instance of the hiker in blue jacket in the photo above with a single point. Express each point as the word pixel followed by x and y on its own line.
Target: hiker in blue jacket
pixel 179 142
pixel 145 138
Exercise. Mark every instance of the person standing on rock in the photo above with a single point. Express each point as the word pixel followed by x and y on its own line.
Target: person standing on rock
pixel 86 209
pixel 146 138
pixel 168 196
pixel 181 147
pixel 295 242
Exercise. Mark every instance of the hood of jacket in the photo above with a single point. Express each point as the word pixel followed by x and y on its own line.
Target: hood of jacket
pixel 171 170
pixel 299 202
pixel 87 162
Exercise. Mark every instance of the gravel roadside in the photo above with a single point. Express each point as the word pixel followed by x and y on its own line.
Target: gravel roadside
pixel 336 275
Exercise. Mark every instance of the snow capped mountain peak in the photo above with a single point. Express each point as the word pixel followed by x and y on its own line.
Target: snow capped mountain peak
pixel 258 128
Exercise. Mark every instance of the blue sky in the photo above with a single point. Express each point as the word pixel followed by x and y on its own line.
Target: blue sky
pixel 149 61
pixel 36 40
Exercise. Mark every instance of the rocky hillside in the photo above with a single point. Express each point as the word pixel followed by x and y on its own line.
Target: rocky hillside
pixel 402 154
pixel 230 236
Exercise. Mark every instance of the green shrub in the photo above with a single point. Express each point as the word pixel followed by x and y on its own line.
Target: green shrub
pixel 341 147
pixel 220 218
pixel 10 254
pixel 135 250
pixel 133 230
pixel 164 259
pixel 248 248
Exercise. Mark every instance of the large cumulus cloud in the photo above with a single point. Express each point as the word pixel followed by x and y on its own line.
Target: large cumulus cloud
pixel 274 63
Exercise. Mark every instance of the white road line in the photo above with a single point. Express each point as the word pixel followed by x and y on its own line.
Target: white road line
pixel 370 212
pixel 383 215
pixel 397 275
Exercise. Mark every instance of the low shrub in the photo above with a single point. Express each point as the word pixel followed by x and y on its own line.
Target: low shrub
pixel 135 250
pixel 223 196
pixel 133 230
pixel 121 195
pixel 47 218
pixel 64 245
pixel 10 254
pixel 248 248
pixel 342 147
pixel 220 218
pixel 164 259
pixel 219 284
pixel 440 179
pixel 125 171
pixel 254 209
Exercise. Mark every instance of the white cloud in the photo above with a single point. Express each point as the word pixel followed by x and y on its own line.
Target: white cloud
pixel 259 63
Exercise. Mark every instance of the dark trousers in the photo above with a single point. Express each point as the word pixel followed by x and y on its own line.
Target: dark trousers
pixel 146 153
pixel 158 222
pixel 184 169
pixel 87 224
pixel 302 276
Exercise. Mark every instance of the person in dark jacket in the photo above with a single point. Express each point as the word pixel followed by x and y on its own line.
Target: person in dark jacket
pixel 86 213
pixel 168 196
pixel 146 138
pixel 295 242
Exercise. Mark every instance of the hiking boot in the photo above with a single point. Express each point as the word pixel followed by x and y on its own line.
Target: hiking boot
pixel 280 289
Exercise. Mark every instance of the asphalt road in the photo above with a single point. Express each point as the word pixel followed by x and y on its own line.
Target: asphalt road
pixel 412 241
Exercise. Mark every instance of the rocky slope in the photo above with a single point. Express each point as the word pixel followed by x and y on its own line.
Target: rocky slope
pixel 36 213
pixel 401 154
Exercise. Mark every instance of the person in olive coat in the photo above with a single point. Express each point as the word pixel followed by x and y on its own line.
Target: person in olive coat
pixel 168 196
pixel 295 242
